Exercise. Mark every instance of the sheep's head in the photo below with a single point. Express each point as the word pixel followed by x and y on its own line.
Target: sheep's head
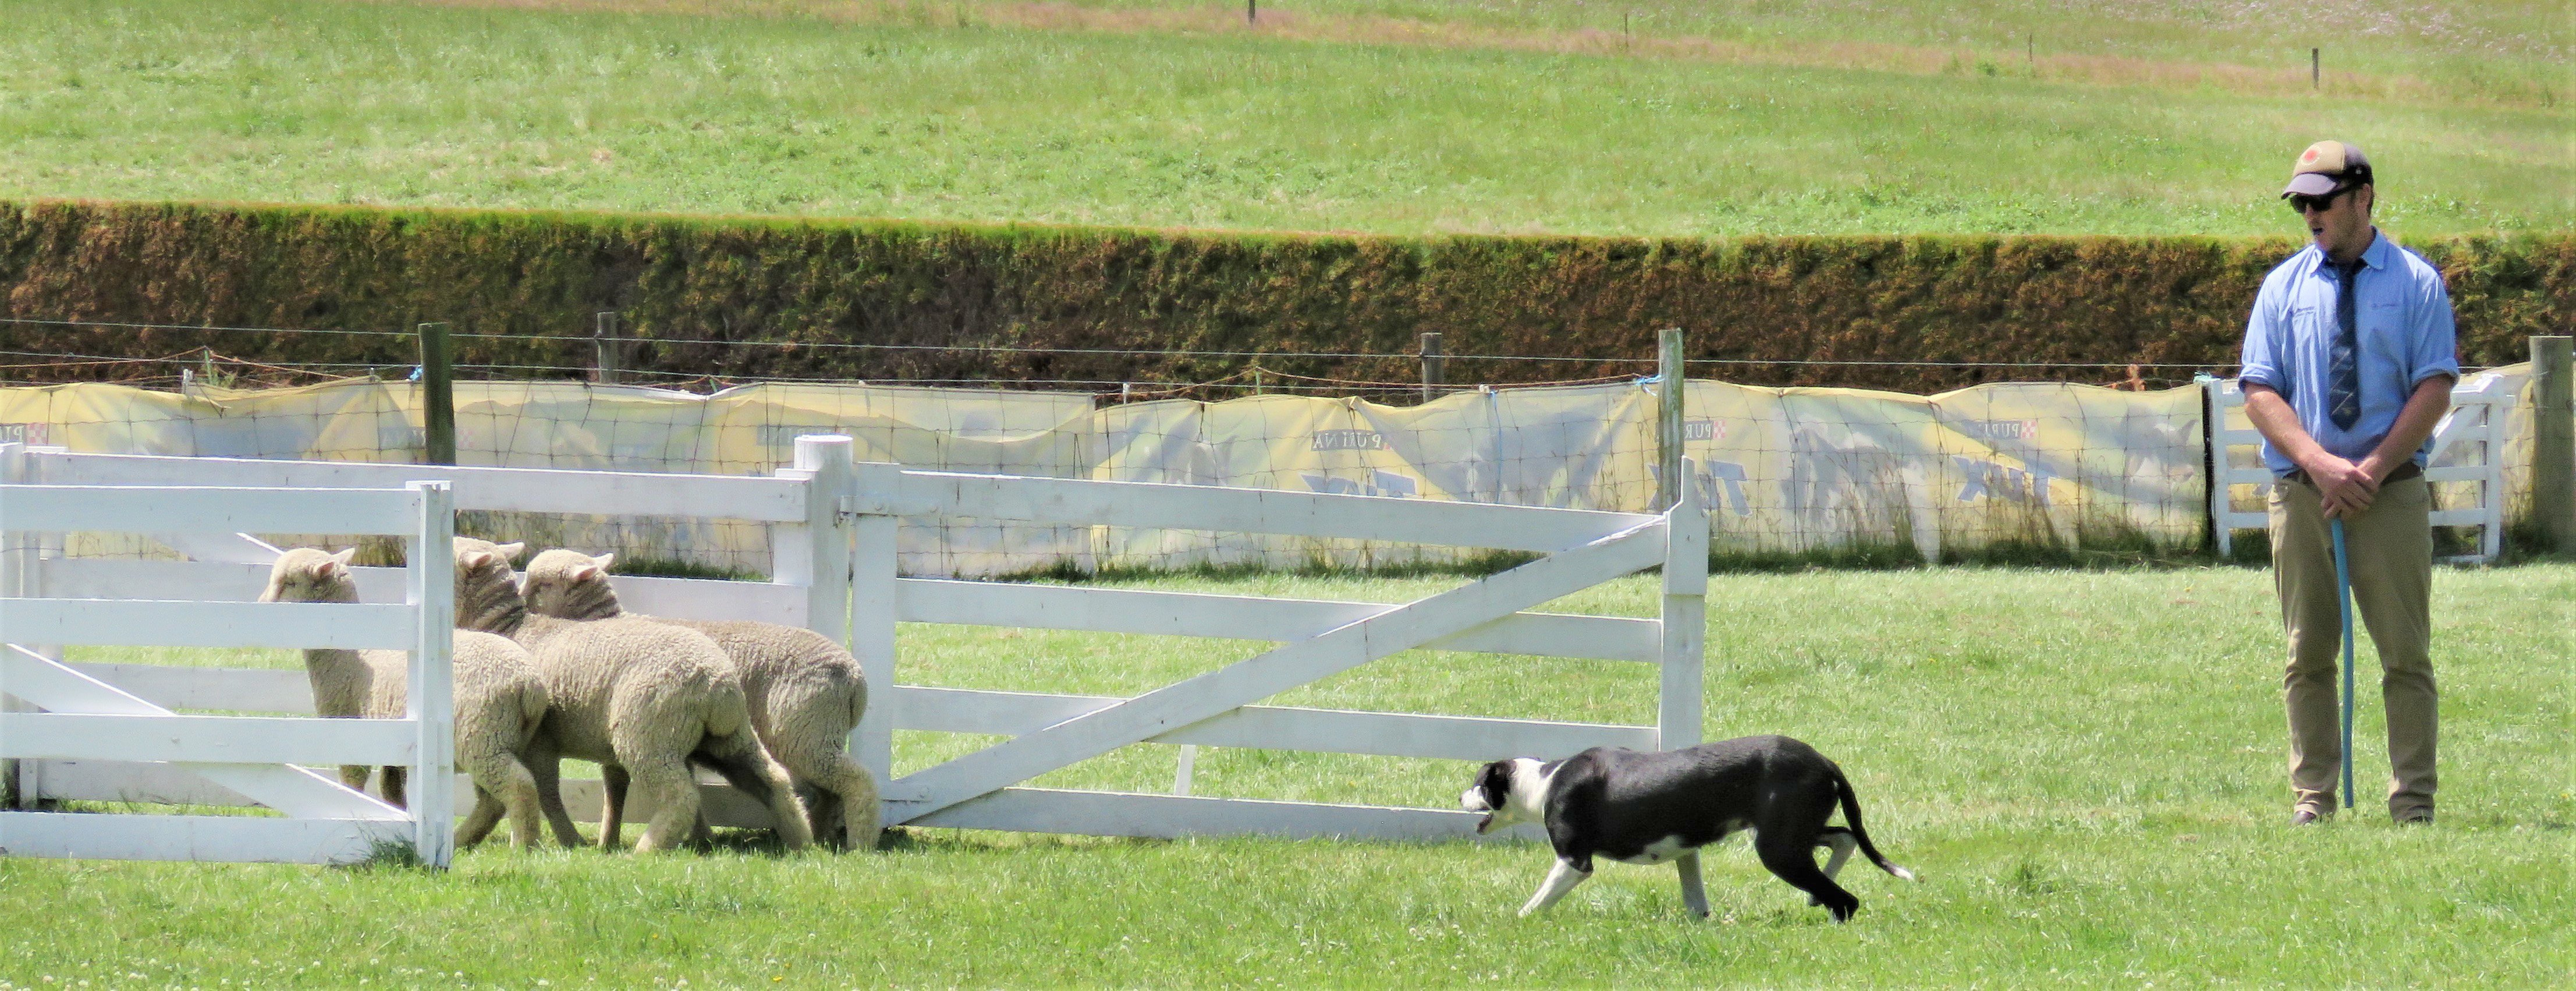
pixel 570 585
pixel 487 596
pixel 307 574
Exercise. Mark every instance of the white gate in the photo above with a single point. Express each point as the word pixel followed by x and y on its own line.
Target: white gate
pixel 2472 435
pixel 1317 639
pixel 832 527
pixel 83 719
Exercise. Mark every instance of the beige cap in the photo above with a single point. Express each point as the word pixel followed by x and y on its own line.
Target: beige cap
pixel 2327 166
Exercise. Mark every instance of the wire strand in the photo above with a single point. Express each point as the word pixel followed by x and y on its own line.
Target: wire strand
pixel 1126 352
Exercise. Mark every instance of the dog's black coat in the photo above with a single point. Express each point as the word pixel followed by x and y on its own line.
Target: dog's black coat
pixel 1616 803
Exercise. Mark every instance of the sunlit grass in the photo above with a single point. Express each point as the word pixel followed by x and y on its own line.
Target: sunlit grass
pixel 294 100
pixel 2086 767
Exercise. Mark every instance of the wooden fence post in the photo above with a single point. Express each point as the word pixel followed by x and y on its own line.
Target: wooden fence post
pixel 872 613
pixel 2553 449
pixel 1679 710
pixel 604 348
pixel 2213 457
pixel 430 567
pixel 13 568
pixel 1680 705
pixel 1684 621
pixel 1432 373
pixel 827 595
pixel 437 394
pixel 1671 397
pixel 818 554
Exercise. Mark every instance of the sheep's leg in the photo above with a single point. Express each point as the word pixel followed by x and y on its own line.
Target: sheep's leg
pixel 478 823
pixel 675 799
pixel 702 836
pixel 612 806
pixel 519 796
pixel 355 776
pixel 394 779
pixel 845 813
pixel 749 768
pixel 545 770
pixel 822 812
pixel 859 818
pixel 501 785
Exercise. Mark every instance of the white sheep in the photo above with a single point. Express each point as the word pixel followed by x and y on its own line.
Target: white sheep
pixel 499 699
pixel 806 692
pixel 643 699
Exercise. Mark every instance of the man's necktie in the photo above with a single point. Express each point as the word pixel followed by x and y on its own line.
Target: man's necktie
pixel 2343 361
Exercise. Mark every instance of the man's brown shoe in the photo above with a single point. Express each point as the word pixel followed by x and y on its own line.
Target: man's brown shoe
pixel 2304 817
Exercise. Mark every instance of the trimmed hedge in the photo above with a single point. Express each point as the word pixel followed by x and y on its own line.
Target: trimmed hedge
pixel 1948 299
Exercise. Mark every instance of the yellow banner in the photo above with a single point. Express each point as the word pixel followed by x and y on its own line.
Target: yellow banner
pixel 1782 470
pixel 2033 463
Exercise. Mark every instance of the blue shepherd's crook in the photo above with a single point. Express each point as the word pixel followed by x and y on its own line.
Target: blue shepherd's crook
pixel 2343 602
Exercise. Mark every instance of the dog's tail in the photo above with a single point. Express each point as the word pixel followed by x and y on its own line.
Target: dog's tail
pixel 1851 817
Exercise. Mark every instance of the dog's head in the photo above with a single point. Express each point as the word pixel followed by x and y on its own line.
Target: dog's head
pixel 1507 792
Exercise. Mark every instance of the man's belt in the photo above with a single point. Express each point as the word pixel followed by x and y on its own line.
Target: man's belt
pixel 2405 471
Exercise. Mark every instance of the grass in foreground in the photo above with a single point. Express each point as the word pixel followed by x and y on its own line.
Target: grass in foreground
pixel 2084 766
pixel 892 111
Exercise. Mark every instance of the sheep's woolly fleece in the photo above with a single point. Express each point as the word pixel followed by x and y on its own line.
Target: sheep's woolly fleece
pixel 499 698
pixel 806 693
pixel 641 698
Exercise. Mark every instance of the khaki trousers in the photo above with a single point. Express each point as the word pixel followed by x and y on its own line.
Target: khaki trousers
pixel 2390 552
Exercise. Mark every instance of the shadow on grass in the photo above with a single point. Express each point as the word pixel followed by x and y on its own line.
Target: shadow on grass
pixel 764 843
pixel 1473 566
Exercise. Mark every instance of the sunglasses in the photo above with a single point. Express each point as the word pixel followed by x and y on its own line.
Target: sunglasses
pixel 2301 203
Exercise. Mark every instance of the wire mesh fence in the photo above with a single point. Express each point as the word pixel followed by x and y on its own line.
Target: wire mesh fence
pixel 1991 471
pixel 705 361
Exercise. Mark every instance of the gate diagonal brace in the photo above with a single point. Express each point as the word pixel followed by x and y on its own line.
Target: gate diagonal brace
pixel 297 792
pixel 1217 692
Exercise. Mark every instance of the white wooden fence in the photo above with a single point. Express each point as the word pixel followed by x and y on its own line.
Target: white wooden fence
pixel 809 538
pixel 1317 639
pixel 65 714
pixel 833 541
pixel 2474 430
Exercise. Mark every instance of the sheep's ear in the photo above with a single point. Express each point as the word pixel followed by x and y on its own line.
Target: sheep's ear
pixel 344 557
pixel 582 573
pixel 474 560
pixel 331 569
pixel 511 552
pixel 604 560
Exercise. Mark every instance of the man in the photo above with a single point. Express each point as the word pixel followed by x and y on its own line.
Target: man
pixel 2348 364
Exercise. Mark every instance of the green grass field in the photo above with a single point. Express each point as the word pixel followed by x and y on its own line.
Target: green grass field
pixel 1394 116
pixel 2084 766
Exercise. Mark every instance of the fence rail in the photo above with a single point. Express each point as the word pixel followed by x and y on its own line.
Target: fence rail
pixel 522 490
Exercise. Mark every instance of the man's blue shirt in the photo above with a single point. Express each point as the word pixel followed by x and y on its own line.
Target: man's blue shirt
pixel 2405 331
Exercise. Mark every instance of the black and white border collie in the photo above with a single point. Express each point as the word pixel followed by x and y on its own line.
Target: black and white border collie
pixel 1649 808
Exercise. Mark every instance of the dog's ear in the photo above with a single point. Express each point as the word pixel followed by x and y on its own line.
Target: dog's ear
pixel 1496 782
